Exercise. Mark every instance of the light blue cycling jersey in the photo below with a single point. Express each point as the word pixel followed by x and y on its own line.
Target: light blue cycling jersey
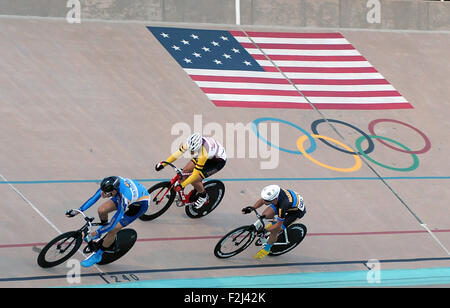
pixel 129 192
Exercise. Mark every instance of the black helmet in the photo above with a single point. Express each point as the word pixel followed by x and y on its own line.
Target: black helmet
pixel 110 183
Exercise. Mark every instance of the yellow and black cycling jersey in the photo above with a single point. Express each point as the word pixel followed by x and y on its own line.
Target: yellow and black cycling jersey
pixel 210 150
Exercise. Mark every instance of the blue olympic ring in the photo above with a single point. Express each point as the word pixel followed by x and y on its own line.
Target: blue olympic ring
pixel 255 123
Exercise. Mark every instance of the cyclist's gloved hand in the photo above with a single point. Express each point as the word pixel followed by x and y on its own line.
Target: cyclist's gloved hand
pixel 88 238
pixel 159 166
pixel 247 210
pixel 71 213
pixel 91 237
pixel 178 187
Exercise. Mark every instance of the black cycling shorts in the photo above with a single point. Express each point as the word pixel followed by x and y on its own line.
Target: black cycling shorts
pixel 212 166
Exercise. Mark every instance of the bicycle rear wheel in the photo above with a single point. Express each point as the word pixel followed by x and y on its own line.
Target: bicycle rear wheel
pixel 235 242
pixel 296 234
pixel 215 190
pixel 60 249
pixel 161 198
pixel 125 240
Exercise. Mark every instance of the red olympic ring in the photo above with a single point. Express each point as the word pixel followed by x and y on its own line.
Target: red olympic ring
pixel 423 150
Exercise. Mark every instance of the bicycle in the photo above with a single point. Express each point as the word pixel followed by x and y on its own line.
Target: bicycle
pixel 162 195
pixel 65 245
pixel 239 239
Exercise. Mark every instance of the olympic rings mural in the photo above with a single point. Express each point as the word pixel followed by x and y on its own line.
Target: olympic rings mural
pixel 345 148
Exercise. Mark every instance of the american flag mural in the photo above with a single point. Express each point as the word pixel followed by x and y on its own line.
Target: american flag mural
pixel 279 70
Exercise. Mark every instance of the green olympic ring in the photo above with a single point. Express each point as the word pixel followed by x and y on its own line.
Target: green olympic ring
pixel 414 156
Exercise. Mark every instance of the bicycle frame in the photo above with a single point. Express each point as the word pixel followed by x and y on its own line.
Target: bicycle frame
pixel 260 223
pixel 183 198
pixel 87 228
pixel 285 238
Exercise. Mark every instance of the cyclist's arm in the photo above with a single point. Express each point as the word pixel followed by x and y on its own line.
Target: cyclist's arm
pixel 258 203
pixel 199 164
pixel 176 155
pixel 91 201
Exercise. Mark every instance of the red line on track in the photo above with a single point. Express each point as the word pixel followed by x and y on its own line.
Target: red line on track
pixel 188 238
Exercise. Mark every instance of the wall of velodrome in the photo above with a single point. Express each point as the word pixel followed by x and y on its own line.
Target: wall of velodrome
pixel 358 14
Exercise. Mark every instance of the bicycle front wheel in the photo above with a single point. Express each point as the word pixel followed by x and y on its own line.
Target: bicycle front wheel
pixel 235 242
pixel 161 198
pixel 60 249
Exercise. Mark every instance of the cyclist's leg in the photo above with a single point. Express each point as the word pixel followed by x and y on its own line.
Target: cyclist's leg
pixel 107 207
pixel 134 211
pixel 103 246
pixel 211 167
pixel 292 217
pixel 269 213
pixel 197 183
pixel 188 169
pixel 110 237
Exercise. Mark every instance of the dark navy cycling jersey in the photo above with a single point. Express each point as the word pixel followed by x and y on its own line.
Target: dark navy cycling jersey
pixel 288 201
pixel 129 192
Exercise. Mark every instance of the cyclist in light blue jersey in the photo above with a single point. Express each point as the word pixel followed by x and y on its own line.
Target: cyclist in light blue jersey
pixel 128 198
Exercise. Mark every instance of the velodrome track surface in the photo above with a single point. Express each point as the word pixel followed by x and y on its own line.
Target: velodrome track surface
pixel 81 102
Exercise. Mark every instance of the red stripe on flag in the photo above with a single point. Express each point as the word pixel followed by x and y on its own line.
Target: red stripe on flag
pixel 278 105
pixel 237 33
pixel 251 91
pixel 288 69
pixel 309 58
pixel 288 34
pixel 300 46
pixel 239 79
pixel 350 93
pixel 364 106
pixel 339 81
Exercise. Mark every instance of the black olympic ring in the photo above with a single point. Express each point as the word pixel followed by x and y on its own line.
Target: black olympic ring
pixel 367 151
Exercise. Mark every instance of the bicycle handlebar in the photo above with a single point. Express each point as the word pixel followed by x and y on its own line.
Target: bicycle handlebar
pixel 260 217
pixel 89 220
pixel 178 170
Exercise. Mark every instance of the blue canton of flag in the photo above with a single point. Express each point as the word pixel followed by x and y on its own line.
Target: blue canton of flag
pixel 205 49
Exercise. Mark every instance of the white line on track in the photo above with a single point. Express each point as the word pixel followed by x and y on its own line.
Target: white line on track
pixel 40 213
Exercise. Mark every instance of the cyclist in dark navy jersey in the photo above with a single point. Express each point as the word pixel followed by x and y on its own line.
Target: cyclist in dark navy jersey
pixel 285 206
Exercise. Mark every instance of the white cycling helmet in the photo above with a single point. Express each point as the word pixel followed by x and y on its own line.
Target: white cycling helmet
pixel 270 192
pixel 194 142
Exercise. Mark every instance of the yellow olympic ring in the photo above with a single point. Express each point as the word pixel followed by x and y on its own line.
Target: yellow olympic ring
pixel 356 167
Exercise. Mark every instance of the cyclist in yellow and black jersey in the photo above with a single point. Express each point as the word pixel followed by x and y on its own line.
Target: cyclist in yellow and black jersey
pixel 208 158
